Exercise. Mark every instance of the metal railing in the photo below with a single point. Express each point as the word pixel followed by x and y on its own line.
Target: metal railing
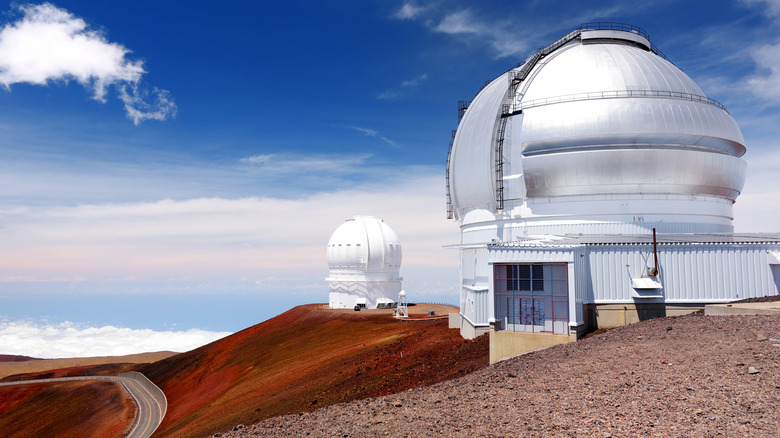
pixel 509 110
pixel 610 25
pixel 463 105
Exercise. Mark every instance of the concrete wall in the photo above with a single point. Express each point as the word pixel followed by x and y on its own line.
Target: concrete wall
pixel 467 330
pixel 616 315
pixel 505 344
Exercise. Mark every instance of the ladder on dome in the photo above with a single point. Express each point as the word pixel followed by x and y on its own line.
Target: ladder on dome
pixel 450 214
pixel 515 78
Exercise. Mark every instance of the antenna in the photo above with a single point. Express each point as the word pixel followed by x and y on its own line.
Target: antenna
pixel 654 271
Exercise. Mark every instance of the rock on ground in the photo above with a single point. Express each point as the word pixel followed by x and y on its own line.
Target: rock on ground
pixel 677 377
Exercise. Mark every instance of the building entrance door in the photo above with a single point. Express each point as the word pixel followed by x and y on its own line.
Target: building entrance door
pixel 532 297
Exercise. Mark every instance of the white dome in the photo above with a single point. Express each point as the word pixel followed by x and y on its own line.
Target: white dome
pixel 600 118
pixel 364 244
pixel 364 257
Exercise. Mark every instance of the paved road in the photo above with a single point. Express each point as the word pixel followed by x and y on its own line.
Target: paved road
pixel 150 411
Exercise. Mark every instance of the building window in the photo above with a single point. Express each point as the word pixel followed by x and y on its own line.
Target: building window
pixel 532 297
pixel 524 278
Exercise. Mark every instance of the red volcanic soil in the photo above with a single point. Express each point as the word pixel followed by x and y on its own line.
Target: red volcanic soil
pixel 13 358
pixel 86 365
pixel 65 409
pixel 306 358
pixel 110 369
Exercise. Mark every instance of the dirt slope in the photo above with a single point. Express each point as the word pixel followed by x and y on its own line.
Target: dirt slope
pixel 15 358
pixel 65 409
pixel 688 376
pixel 10 365
pixel 304 359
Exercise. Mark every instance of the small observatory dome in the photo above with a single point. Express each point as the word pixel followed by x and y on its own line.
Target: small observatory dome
pixel 364 257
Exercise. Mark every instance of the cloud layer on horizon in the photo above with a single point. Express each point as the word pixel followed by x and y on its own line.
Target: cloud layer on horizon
pixel 233 236
pixel 65 340
pixel 48 44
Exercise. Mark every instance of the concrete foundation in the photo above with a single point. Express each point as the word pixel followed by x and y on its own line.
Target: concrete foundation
pixel 505 344
pixel 771 308
pixel 467 330
pixel 616 315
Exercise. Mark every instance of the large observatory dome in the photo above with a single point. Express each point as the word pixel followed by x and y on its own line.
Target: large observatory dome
pixel 596 133
pixel 594 187
pixel 364 257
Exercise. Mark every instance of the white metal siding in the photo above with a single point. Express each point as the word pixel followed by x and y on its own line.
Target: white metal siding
pixel 689 273
pixel 776 276
pixel 475 299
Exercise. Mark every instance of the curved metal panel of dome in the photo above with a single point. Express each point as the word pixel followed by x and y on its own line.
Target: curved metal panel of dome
pixel 595 113
pixel 631 171
pixel 471 166
pixel 364 245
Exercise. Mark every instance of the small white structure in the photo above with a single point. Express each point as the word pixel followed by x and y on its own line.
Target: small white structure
pixel 403 308
pixel 364 256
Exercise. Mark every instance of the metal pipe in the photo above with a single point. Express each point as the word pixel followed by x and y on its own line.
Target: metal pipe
pixel 654 272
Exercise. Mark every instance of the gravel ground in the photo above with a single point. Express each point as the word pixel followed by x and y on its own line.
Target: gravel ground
pixel 679 376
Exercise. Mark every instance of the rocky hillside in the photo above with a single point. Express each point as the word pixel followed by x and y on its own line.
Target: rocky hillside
pixel 307 358
pixel 669 377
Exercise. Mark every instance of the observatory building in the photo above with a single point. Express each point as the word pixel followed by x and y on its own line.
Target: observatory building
pixel 560 174
pixel 364 257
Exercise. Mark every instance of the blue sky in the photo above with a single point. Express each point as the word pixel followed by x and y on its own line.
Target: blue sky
pixel 173 166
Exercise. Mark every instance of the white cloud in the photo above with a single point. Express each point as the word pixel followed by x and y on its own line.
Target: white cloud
pixel 509 33
pixel 373 133
pixel 138 105
pixel 415 81
pixel 257 159
pixel 217 237
pixel 502 36
pixel 766 83
pixel 756 209
pixel 51 44
pixel 278 164
pixel 405 87
pixel 50 341
pixel 408 11
pixel 772 6
pixel 461 22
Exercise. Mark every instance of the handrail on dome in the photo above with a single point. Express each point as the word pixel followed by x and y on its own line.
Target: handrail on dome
pixel 529 63
pixel 463 105
pixel 612 25
pixel 510 110
pixel 625 27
